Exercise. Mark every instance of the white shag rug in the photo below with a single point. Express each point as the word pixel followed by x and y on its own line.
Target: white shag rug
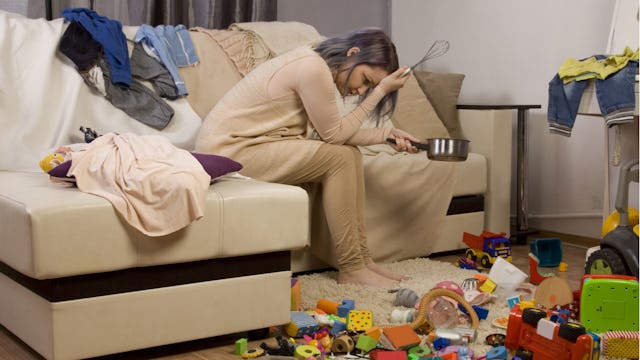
pixel 424 273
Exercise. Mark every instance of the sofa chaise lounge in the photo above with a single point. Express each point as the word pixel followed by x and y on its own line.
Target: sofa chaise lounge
pixel 77 281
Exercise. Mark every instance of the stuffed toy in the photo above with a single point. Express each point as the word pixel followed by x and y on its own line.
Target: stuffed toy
pixel 55 158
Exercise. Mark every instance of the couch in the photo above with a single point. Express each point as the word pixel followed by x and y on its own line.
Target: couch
pixel 77 281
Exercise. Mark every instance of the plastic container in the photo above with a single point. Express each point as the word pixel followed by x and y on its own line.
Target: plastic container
pixel 548 251
pixel 507 276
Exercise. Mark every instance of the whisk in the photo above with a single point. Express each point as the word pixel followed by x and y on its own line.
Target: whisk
pixel 437 49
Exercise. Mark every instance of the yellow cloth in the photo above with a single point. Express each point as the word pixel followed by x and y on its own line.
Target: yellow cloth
pixel 576 70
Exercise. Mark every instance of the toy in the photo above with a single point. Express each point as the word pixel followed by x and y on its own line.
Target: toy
pixel 487 247
pixel 358 320
pixel 529 329
pixel 328 306
pixel 618 252
pixel 609 303
pixel 366 343
pixel 421 322
pixel 55 158
pixel 552 292
pixel 301 324
pixel 346 306
pixel 479 310
pixel 621 344
pixel 306 352
pixel 466 263
pixel 506 276
pixel 498 352
pixel 252 353
pixel 548 251
pixel 402 316
pixel 535 275
pixel 285 347
pixel 295 295
pixel 240 346
pixel 406 297
pixel 495 340
pixel 442 313
pixel 89 134
pixel 342 344
pixel 399 337
pixel 613 220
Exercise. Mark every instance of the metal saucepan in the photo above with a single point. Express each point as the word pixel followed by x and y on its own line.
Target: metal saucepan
pixel 442 149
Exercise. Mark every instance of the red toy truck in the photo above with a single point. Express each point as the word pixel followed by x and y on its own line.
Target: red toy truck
pixel 487 247
pixel 530 331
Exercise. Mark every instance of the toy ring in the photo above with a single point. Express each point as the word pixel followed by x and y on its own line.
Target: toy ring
pixel 495 340
pixel 252 353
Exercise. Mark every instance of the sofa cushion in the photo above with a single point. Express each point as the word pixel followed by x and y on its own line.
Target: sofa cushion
pixel 442 90
pixel 52 231
pixel 471 178
pixel 415 114
pixel 214 165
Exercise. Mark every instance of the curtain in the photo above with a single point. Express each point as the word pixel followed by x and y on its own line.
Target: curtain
pixel 210 14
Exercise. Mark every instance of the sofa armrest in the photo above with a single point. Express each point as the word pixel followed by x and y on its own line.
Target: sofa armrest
pixel 490 133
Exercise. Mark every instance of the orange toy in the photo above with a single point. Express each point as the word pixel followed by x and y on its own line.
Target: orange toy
pixel 535 276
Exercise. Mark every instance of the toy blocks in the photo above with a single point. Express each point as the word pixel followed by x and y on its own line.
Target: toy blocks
pixel 399 337
pixel 301 324
pixel 346 306
pixel 366 343
pixel 359 320
pixel 240 346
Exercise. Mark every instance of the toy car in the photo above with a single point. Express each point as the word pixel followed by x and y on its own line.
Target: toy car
pixel 618 252
pixel 487 247
pixel 531 331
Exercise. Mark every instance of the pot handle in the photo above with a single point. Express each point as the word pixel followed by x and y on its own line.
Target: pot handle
pixel 420 146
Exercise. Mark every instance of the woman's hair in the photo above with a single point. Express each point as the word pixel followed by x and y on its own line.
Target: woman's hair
pixel 376 49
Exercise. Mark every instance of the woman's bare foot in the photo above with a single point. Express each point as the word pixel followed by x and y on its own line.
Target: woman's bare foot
pixel 381 270
pixel 366 276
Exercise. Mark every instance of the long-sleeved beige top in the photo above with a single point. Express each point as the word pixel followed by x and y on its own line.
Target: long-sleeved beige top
pixel 286 98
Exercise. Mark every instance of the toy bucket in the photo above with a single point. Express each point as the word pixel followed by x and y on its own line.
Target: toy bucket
pixel 506 275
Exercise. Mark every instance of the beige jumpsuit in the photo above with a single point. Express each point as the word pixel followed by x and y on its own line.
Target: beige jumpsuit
pixel 265 122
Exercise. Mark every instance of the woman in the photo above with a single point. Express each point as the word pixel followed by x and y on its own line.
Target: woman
pixel 282 123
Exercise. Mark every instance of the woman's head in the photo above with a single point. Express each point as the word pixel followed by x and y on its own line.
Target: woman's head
pixel 346 55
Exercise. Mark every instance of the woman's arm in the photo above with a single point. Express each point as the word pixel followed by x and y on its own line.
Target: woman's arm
pixel 314 84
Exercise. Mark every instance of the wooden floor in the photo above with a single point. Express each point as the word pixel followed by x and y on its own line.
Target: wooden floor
pixel 221 348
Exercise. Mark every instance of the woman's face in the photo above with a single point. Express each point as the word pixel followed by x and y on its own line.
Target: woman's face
pixel 363 78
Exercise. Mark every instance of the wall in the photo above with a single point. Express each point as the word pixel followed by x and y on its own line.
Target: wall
pixel 334 17
pixel 509 50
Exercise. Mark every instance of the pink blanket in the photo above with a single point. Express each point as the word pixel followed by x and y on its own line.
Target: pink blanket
pixel 156 187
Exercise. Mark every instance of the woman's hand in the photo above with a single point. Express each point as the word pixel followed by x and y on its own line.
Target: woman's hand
pixel 403 141
pixel 394 81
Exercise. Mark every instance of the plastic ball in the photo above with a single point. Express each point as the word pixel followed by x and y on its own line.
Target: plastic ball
pixel 613 220
pixel 442 313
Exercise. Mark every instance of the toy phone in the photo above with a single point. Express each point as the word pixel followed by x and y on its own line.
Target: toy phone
pixel 609 302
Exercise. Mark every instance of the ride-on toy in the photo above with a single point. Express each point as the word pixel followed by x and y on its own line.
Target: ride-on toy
pixel 618 252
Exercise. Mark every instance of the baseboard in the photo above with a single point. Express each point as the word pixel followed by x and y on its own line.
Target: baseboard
pixel 578 240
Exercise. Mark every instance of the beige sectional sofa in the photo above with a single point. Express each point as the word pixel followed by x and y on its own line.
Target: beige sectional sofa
pixel 77 281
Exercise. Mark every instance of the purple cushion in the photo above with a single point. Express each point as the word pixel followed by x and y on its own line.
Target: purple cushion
pixel 214 165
